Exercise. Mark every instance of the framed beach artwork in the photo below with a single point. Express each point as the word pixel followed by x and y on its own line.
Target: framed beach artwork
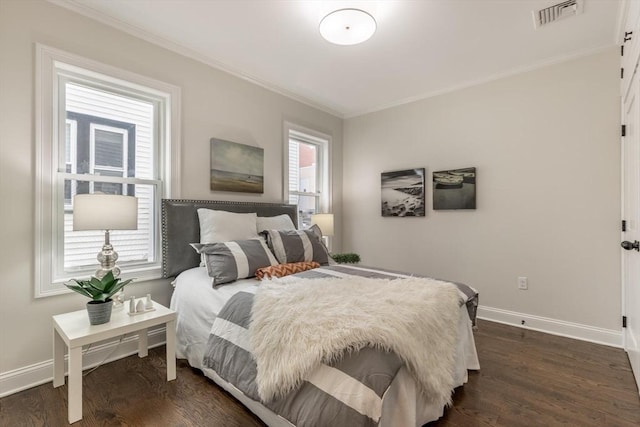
pixel 402 193
pixel 236 167
pixel 454 189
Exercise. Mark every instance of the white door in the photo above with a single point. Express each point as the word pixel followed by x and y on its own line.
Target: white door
pixel 631 214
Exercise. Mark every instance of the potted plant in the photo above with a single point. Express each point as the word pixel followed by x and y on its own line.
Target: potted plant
pixel 100 291
pixel 346 258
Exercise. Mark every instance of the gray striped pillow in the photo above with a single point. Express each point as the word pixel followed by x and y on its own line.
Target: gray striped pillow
pixel 237 259
pixel 297 246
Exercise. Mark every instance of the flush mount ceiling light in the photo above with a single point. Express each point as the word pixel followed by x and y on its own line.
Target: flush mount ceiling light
pixel 347 26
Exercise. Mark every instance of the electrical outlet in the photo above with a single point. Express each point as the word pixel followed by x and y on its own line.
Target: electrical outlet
pixel 523 283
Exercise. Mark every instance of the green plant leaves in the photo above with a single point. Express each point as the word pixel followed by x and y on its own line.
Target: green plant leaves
pixel 346 258
pixel 79 289
pixel 96 284
pixel 96 289
pixel 109 277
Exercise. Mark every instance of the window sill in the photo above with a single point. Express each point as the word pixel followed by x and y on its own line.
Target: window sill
pixel 141 274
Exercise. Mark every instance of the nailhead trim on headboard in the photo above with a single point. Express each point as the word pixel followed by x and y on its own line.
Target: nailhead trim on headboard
pixel 177 255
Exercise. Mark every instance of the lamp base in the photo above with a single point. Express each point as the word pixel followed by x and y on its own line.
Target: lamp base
pixel 107 258
pixel 118 299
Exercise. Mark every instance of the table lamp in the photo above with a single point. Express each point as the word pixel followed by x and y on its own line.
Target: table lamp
pixel 325 222
pixel 105 212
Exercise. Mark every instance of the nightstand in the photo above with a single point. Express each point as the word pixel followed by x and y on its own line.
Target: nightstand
pixel 74 331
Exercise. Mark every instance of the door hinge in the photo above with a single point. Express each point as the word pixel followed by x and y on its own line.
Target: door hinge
pixel 624 225
pixel 623 131
pixel 621 50
pixel 624 321
pixel 622 73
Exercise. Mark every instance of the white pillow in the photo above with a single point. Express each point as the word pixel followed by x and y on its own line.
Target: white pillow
pixel 223 226
pixel 280 222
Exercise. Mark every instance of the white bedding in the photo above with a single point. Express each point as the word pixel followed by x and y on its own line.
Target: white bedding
pixel 197 304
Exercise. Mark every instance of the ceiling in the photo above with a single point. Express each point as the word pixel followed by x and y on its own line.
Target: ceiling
pixel 421 47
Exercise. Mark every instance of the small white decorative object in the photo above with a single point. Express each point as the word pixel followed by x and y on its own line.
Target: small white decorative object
pixel 141 306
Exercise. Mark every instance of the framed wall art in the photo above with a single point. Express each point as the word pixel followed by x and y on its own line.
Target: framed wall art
pixel 236 167
pixel 454 189
pixel 402 193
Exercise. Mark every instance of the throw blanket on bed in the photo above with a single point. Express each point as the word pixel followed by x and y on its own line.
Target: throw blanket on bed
pixel 467 294
pixel 319 320
pixel 346 392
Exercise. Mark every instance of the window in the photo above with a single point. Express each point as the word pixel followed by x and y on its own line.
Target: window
pixel 307 172
pixel 100 129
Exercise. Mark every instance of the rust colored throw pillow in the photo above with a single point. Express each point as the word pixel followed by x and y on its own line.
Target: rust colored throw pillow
pixel 282 270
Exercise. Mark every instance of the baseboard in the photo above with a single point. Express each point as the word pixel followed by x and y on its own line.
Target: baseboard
pixel 563 328
pixel 40 373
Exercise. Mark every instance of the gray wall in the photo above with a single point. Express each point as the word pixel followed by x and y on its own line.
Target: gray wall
pixel 546 146
pixel 213 104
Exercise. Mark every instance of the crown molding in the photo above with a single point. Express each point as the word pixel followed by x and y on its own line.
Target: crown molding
pixel 484 80
pixel 81 8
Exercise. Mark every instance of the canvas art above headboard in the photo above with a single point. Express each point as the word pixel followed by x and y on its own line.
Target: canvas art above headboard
pixel 180 227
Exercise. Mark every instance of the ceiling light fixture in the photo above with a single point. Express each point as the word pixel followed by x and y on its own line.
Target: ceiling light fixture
pixel 347 26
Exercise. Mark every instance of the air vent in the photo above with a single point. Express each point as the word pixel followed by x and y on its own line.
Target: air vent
pixel 565 9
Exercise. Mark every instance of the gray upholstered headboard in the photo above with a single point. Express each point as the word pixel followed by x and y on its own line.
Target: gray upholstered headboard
pixel 180 226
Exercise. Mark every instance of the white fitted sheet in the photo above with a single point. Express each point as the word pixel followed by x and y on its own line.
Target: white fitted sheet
pixel 197 304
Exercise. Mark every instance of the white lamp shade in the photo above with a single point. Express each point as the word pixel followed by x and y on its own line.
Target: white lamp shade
pixel 325 222
pixel 347 26
pixel 104 212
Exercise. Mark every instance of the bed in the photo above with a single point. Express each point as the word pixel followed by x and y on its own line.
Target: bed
pixel 234 333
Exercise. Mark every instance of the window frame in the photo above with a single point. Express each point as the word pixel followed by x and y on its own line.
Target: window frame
pixel 323 145
pixel 54 68
pixel 73 140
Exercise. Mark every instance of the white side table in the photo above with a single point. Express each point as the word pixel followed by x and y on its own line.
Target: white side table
pixel 74 331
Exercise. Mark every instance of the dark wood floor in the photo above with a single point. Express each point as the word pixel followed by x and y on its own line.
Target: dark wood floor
pixel 527 379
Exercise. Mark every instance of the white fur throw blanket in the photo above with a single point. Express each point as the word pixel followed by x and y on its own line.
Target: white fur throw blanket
pixel 297 324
